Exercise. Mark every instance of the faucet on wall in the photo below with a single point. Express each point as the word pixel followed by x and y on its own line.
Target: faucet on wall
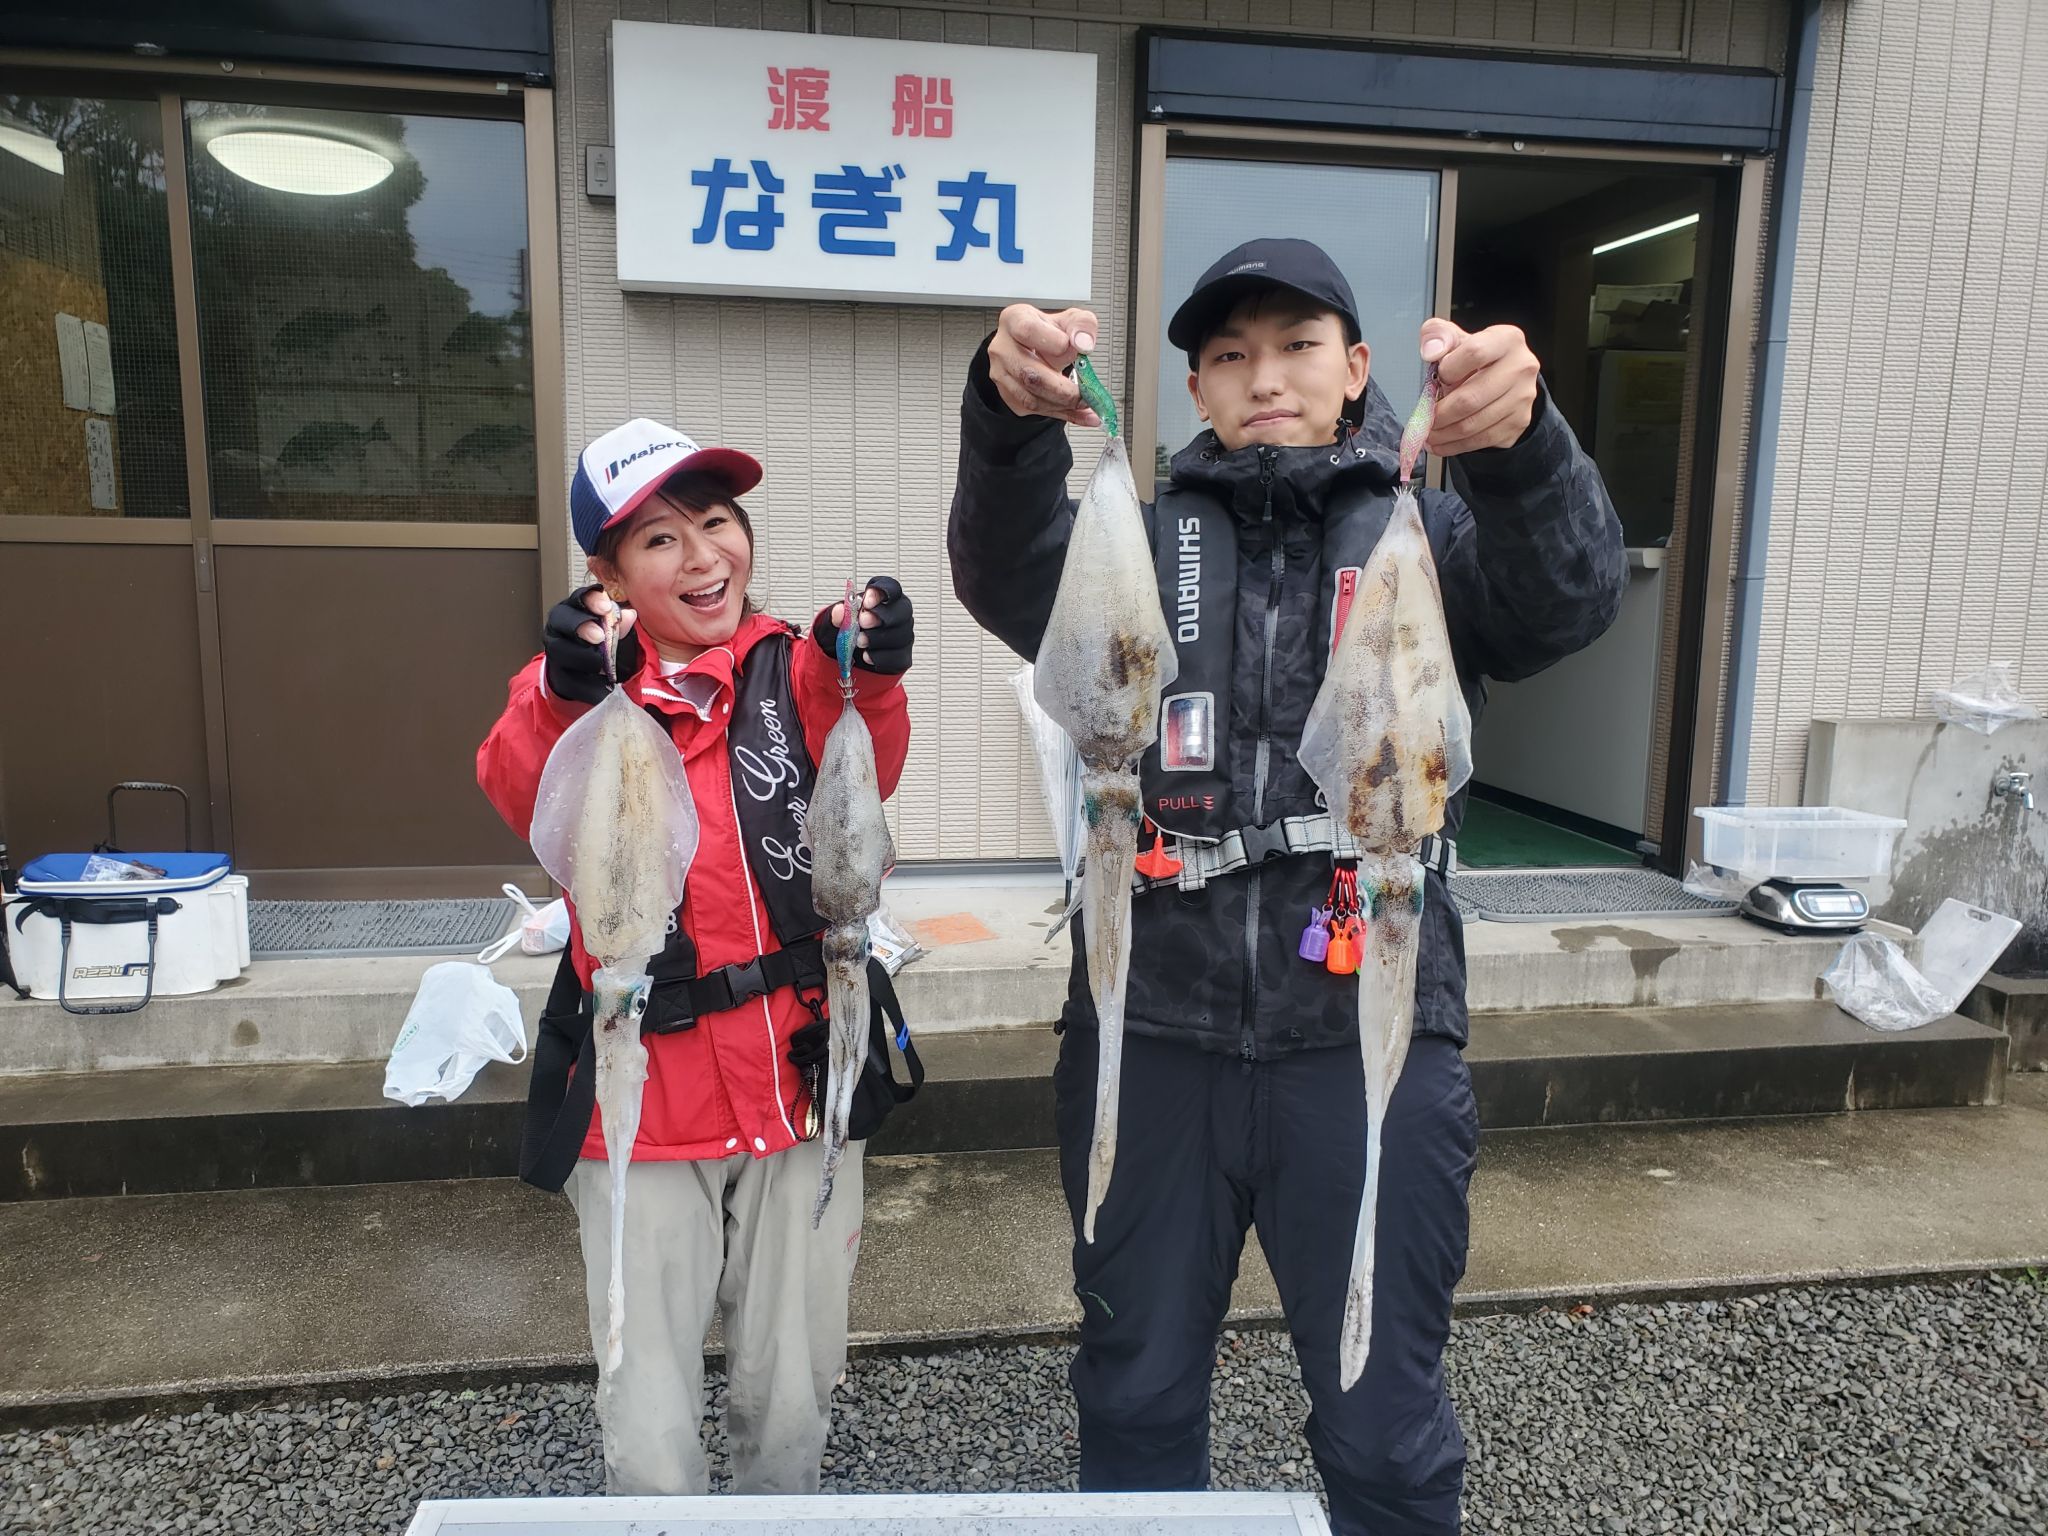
pixel 2015 784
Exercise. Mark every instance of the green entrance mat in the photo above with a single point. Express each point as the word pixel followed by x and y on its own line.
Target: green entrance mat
pixel 1494 837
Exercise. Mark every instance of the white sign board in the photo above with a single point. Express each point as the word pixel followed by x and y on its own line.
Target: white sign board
pixel 785 164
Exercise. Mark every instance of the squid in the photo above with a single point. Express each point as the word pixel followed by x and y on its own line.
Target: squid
pixel 1106 658
pixel 1388 740
pixel 614 825
pixel 850 848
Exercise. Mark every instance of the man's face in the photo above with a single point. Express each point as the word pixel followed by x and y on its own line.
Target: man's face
pixel 1277 371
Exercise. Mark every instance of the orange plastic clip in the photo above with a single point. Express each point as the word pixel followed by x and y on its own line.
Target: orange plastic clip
pixel 1156 863
pixel 1342 959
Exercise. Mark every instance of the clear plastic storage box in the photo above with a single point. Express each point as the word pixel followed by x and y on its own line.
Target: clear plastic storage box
pixel 1798 842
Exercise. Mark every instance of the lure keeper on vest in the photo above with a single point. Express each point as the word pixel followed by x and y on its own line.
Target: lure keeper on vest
pixel 725 1164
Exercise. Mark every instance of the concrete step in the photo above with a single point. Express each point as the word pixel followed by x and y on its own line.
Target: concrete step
pixel 386 1286
pixel 204 1128
pixel 175 1129
pixel 2019 1006
pixel 987 967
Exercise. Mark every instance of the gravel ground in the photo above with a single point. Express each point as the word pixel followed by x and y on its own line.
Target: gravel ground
pixel 1912 1409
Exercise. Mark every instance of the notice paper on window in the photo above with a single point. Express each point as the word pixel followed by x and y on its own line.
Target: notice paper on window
pixel 71 362
pixel 99 368
pixel 99 463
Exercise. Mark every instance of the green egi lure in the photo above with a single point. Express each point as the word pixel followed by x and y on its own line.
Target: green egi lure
pixel 1094 394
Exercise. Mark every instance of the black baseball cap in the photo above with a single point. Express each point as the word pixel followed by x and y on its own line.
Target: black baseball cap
pixel 1297 264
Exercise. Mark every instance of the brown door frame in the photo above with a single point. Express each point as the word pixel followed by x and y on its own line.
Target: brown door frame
pixel 171 83
pixel 1690 776
pixel 1692 745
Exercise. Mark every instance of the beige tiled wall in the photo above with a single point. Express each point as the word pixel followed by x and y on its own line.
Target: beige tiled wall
pixel 853 407
pixel 1905 536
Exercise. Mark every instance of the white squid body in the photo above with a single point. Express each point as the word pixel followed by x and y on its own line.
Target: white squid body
pixel 1389 741
pixel 848 837
pixel 621 1056
pixel 614 825
pixel 1106 658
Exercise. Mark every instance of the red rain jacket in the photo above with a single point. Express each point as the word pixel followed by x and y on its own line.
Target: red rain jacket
pixel 726 1085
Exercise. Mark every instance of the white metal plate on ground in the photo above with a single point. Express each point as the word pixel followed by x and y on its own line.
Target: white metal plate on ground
pixel 885 1514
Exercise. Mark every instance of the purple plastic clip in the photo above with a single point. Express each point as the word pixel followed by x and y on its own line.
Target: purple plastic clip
pixel 1315 938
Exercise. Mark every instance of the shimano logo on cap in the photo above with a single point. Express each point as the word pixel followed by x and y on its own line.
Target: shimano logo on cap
pixel 1246 266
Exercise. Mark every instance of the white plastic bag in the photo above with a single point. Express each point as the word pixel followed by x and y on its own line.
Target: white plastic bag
pixel 541 931
pixel 1985 702
pixel 460 1018
pixel 1873 980
pixel 889 943
pixel 1714 883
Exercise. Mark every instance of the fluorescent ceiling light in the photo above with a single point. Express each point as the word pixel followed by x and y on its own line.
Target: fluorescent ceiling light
pixel 299 162
pixel 32 147
pixel 1646 234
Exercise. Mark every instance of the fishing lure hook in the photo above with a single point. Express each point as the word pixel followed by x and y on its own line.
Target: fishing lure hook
pixel 849 627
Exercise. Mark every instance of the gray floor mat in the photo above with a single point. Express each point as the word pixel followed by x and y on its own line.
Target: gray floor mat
pixel 1538 896
pixel 307 929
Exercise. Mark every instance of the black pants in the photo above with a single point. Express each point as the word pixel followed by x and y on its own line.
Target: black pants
pixel 1209 1147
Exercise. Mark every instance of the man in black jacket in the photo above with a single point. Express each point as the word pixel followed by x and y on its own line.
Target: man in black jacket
pixel 1243 1101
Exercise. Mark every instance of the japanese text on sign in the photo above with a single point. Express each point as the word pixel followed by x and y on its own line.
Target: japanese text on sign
pixel 762 163
pixel 798 97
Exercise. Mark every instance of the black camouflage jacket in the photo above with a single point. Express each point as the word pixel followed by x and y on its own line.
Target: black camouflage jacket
pixel 1529 552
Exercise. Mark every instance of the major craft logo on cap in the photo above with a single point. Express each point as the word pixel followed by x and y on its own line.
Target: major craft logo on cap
pixel 621 469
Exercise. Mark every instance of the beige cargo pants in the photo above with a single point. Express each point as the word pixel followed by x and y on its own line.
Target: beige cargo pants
pixel 734 1236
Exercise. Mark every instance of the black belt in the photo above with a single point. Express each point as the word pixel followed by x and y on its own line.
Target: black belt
pixel 674 1005
pixel 563 1089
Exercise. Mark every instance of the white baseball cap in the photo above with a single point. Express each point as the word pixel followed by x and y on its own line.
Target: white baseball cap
pixel 624 467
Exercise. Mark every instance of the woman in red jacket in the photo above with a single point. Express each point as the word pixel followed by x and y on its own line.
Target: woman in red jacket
pixel 726 1164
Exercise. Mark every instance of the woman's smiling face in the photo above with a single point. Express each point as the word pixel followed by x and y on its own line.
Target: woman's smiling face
pixel 683 570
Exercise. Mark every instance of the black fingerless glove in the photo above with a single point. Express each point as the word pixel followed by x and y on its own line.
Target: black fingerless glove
pixel 886 646
pixel 574 667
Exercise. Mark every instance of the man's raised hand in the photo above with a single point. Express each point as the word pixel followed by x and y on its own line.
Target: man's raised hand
pixel 1489 392
pixel 1028 358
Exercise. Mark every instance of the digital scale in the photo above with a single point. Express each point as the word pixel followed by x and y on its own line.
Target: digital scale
pixel 1806 906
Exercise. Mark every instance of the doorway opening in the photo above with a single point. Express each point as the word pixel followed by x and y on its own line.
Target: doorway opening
pixel 1603 266
pixel 1622 266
